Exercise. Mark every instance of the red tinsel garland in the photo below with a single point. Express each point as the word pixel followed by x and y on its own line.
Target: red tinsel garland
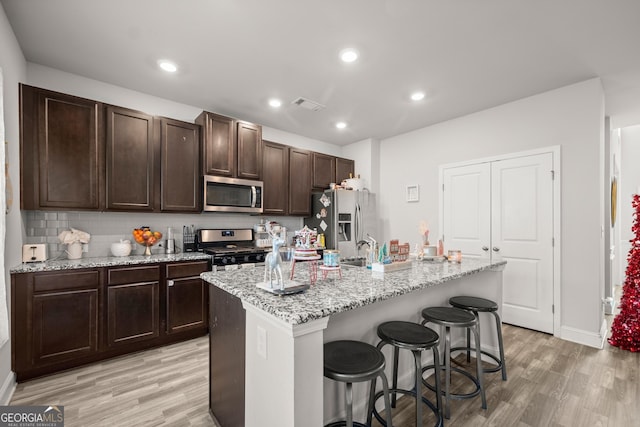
pixel 625 330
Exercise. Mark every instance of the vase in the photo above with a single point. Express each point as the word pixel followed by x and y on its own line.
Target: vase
pixel 74 250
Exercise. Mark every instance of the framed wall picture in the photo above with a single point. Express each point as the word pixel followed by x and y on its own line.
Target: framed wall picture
pixel 413 194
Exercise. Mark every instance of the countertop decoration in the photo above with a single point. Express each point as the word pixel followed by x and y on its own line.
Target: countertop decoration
pixel 147 238
pixel 74 239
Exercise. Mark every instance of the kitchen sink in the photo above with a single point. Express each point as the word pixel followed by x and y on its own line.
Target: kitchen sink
pixel 356 262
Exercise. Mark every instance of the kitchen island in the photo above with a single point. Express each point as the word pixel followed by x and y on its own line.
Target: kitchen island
pixel 284 336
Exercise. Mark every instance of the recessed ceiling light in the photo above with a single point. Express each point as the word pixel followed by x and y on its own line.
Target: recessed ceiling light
pixel 417 96
pixel 341 125
pixel 348 55
pixel 167 66
pixel 275 103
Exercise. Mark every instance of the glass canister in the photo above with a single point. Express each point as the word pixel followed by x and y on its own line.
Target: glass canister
pixel 331 258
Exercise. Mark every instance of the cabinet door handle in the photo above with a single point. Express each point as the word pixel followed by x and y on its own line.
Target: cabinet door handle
pixel 484 248
pixel 170 283
pixel 496 249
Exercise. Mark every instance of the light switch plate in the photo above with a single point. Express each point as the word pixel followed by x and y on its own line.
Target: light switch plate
pixel 34 252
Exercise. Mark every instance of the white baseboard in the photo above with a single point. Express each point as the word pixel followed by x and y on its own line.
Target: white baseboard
pixel 580 336
pixel 8 388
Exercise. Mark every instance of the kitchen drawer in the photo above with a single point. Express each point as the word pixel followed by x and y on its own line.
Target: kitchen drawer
pixel 186 269
pixel 66 281
pixel 118 276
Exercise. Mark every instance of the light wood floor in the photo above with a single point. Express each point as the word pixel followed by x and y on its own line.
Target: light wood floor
pixel 551 383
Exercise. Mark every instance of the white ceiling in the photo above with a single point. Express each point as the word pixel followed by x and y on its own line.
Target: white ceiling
pixel 467 55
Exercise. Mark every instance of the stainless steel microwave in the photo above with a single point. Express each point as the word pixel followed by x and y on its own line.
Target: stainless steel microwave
pixel 232 195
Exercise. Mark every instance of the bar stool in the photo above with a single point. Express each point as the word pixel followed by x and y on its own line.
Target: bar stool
pixel 355 361
pixel 482 305
pixel 447 318
pixel 416 338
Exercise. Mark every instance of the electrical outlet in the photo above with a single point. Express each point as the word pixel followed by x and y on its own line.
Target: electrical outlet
pixel 85 247
pixel 262 342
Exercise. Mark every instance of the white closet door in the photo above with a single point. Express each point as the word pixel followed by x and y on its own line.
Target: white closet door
pixel 467 209
pixel 504 210
pixel 522 232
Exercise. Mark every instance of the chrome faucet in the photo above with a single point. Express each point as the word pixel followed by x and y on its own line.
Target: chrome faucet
pixel 361 243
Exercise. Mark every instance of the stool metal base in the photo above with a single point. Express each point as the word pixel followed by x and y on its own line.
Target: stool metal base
pixel 344 424
pixel 498 365
pixel 482 305
pixel 457 396
pixel 415 338
pixel 394 391
pixel 447 318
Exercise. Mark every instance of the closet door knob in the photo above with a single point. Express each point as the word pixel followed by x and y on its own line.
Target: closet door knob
pixel 484 248
pixel 496 249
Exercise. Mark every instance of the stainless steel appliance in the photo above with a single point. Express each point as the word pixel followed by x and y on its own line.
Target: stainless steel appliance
pixel 229 246
pixel 232 195
pixel 345 217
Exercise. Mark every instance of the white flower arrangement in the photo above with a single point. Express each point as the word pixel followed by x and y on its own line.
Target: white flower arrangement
pixel 74 236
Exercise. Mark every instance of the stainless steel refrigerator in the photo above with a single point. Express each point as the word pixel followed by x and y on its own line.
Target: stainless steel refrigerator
pixel 345 217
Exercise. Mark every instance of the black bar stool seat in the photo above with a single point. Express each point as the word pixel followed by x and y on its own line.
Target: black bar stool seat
pixel 482 305
pixel 416 338
pixel 446 318
pixel 354 361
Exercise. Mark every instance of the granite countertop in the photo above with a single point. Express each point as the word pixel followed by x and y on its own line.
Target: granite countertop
pixel 358 287
pixel 72 264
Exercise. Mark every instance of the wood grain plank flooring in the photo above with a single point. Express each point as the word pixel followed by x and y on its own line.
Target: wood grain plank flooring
pixel 551 383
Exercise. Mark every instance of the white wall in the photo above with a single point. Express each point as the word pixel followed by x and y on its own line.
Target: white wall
pixel 629 185
pixel 13 70
pixel 571 117
pixel 366 154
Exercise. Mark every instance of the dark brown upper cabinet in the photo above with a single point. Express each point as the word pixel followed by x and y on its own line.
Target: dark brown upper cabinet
pixel 131 146
pixel 299 182
pixel 345 168
pixel 230 147
pixel 61 151
pixel 323 170
pixel 275 175
pixel 249 138
pixel 218 134
pixel 180 166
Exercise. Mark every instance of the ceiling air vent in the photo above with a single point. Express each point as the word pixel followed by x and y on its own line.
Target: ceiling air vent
pixel 308 104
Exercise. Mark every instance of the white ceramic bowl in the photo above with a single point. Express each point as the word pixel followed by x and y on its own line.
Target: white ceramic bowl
pixel 121 248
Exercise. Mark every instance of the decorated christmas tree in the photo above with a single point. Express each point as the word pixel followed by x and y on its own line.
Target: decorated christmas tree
pixel 625 331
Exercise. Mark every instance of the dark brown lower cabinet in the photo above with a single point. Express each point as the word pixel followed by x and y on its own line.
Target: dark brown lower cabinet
pixel 63 319
pixel 62 303
pixel 186 297
pixel 226 358
pixel 133 312
pixel 133 304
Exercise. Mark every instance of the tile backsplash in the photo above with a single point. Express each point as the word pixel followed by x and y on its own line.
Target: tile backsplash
pixel 108 227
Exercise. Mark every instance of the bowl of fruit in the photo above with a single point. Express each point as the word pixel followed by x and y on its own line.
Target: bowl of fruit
pixel 146 237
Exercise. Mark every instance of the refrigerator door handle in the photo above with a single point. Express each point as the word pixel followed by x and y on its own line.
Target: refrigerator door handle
pixel 357 219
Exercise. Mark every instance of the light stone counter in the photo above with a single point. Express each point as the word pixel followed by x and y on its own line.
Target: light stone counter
pixel 358 287
pixel 73 264
pixel 284 335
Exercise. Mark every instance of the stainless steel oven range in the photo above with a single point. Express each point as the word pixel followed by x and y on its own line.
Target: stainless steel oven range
pixel 229 247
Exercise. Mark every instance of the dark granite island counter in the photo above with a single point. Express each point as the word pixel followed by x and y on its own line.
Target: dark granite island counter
pixel 283 369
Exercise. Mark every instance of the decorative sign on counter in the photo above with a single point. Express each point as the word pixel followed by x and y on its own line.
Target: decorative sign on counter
pixel 394 266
